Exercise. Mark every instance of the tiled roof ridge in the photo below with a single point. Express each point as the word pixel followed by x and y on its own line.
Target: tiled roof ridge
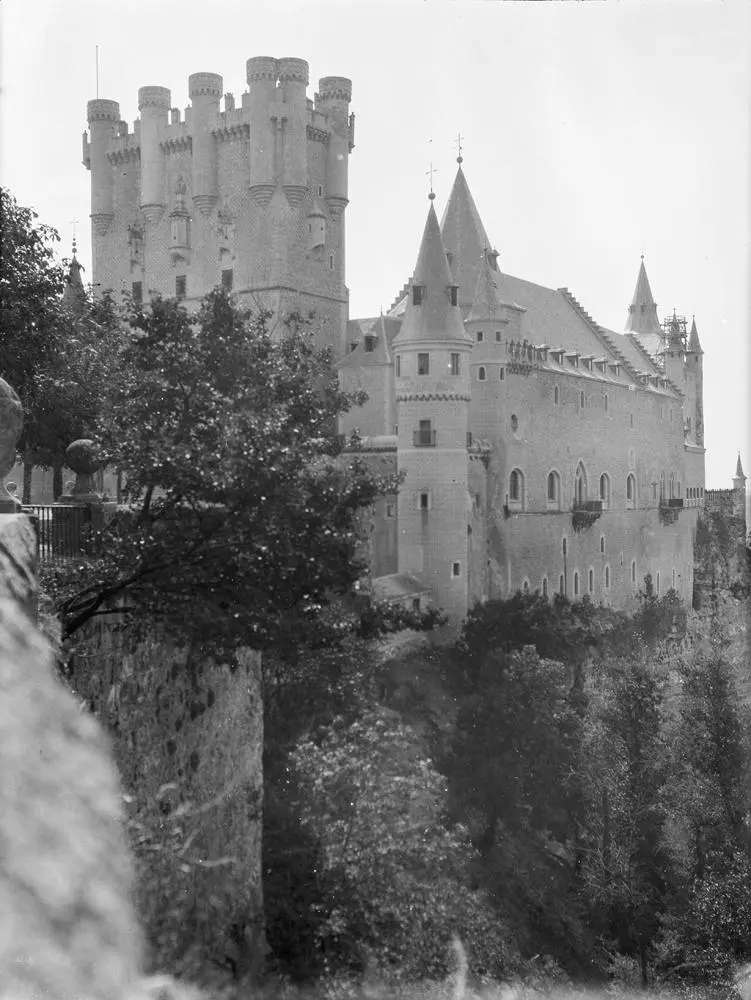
pixel 599 332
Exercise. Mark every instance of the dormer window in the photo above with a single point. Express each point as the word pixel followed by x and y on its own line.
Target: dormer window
pixel 418 292
pixel 615 367
pixel 369 343
pixel 453 294
pixel 587 361
pixel 573 359
pixel 558 355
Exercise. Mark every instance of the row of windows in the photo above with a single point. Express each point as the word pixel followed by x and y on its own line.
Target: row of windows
pixel 579 583
pixel 517 492
pixel 181 286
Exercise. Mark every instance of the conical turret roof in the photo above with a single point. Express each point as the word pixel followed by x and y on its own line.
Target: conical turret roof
pixel 642 313
pixel 739 474
pixel 465 238
pixel 74 295
pixel 435 318
pixel 694 347
pixel 490 294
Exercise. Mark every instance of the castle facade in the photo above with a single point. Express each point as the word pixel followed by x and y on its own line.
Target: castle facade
pixel 539 450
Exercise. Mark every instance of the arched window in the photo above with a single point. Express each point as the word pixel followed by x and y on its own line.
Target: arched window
pixel 561 585
pixel 605 490
pixel 516 488
pixel 576 583
pixel 481 373
pixel 607 578
pixel 554 490
pixel 602 544
pixel 544 586
pixel 580 484
pixel 631 491
pixel 672 485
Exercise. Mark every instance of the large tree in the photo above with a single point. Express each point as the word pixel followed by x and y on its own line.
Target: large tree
pixel 241 512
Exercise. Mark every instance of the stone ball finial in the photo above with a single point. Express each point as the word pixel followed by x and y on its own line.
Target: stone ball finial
pixel 11 423
pixel 83 458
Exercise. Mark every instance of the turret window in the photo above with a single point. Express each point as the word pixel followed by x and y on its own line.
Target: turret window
pixel 453 294
pixel 516 489
pixel 423 364
pixel 398 365
pixel 480 336
pixel 417 295
pixel 455 368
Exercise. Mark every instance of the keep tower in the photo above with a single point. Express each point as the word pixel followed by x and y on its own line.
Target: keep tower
pixel 432 352
pixel 251 197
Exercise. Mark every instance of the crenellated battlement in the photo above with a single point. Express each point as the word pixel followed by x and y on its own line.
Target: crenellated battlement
pixel 205 85
pixel 154 97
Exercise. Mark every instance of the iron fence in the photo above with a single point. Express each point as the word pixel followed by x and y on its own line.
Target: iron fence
pixel 62 529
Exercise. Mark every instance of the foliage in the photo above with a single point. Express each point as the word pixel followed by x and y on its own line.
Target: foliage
pixel 240 512
pixel 394 876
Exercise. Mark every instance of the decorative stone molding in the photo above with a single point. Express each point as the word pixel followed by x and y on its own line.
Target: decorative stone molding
pixel 205 203
pixel 205 85
pixel 316 134
pixel 232 133
pixel 336 204
pixel 152 213
pixel 426 396
pixel 260 194
pixel 295 193
pixel 261 68
pixel 154 97
pixel 294 70
pixel 335 88
pixel 101 222
pixel 177 144
pixel 124 154
pixel 101 110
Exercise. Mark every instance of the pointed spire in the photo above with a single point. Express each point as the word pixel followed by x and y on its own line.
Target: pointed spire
pixel 490 293
pixel 465 237
pixel 74 295
pixel 739 474
pixel 642 313
pixel 694 347
pixel 434 317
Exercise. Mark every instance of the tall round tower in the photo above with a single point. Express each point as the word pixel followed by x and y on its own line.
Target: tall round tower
pixel 205 91
pixel 293 81
pixel 334 96
pixel 103 117
pixel 153 104
pixel 261 72
pixel 432 352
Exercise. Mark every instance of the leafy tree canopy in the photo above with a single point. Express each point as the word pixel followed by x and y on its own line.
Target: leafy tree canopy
pixel 240 515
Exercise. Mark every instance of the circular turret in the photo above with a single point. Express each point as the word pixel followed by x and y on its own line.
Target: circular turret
pixel 334 88
pixel 293 71
pixel 261 68
pixel 158 98
pixel 101 110
pixel 205 85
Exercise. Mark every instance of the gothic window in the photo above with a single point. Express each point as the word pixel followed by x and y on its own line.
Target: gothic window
pixel 514 422
pixel 227 279
pixel 481 373
pixel 606 402
pixel 580 484
pixel 631 491
pixel 423 364
pixel 576 583
pixel 181 286
pixel 516 488
pixel 455 364
pixel 554 490
pixel 672 485
pixel 602 544
pixel 605 490
pixel 424 501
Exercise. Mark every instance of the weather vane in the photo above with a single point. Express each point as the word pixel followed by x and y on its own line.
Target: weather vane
pixel 73 223
pixel 458 144
pixel 429 173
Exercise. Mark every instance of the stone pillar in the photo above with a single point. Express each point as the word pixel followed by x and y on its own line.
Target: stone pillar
pixel 70 527
pixel 11 423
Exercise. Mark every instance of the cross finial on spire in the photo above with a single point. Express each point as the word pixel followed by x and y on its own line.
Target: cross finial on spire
pixel 429 173
pixel 73 223
pixel 458 142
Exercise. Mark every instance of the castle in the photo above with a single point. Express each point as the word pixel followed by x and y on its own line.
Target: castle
pixel 539 451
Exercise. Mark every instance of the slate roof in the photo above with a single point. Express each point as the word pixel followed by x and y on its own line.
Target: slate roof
pixel 383 329
pixel 465 238
pixel 693 340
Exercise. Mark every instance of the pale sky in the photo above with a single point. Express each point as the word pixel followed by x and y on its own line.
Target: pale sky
pixel 593 132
